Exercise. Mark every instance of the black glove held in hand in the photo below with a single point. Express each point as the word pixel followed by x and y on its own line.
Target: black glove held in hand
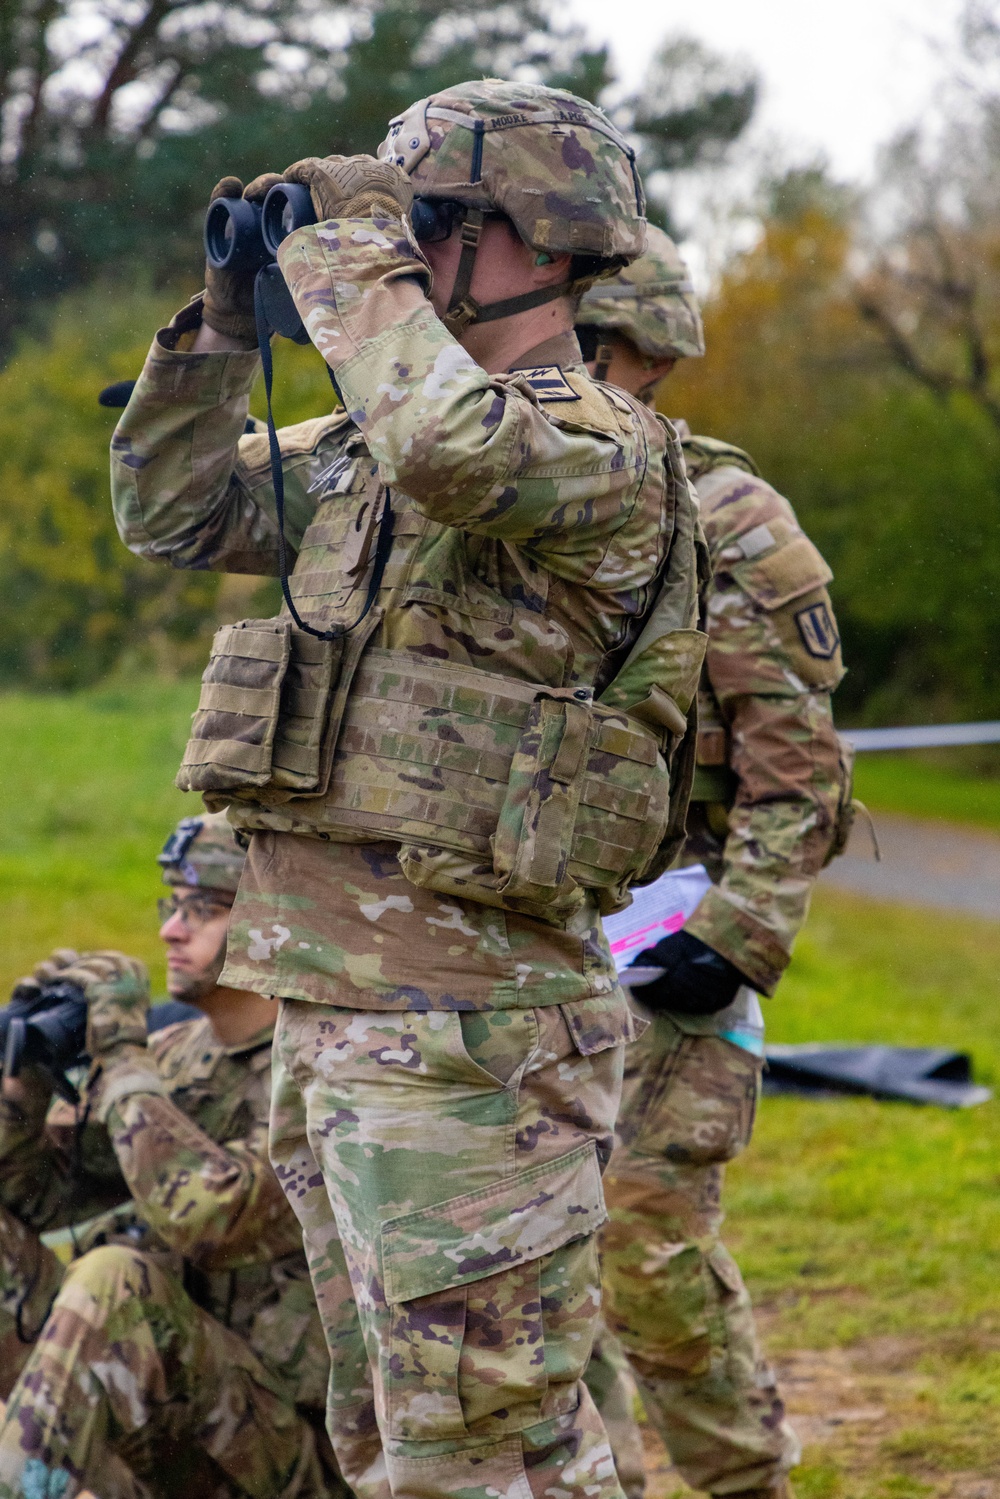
pixel 697 980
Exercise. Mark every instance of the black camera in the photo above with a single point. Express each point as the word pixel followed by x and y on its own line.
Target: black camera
pixel 243 236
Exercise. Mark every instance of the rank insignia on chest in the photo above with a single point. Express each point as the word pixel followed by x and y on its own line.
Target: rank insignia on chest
pixel 818 631
pixel 549 383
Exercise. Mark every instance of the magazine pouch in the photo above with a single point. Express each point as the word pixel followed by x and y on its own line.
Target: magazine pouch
pixel 586 805
pixel 233 729
pixel 262 710
pixel 313 671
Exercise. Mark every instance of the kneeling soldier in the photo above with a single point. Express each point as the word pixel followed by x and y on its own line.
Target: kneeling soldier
pixel 180 1351
pixel 769 806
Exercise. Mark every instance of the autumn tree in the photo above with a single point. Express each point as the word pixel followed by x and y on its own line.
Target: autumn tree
pixel 930 286
pixel 896 483
pixel 116 116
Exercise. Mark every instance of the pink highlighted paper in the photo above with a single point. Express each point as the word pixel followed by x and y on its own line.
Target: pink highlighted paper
pixel 655 912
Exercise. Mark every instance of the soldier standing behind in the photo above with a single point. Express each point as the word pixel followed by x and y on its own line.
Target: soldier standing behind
pixel 181 1352
pixel 446 787
pixel 770 796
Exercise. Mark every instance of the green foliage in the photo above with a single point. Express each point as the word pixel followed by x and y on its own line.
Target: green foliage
pixel 874 1226
pixel 88 803
pixel 72 599
pixel 897 487
pixel 954 785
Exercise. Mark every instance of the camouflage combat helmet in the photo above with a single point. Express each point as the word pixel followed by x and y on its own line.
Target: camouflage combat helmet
pixel 651 303
pixel 552 163
pixel 203 852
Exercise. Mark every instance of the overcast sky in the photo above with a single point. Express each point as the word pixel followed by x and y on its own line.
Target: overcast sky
pixel 837 77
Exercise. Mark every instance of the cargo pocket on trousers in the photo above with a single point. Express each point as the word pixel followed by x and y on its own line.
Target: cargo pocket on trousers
pixel 464 1282
pixel 698 1105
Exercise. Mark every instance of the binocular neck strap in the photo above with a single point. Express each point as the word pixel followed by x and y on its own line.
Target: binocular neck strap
pixel 463 309
pixel 384 544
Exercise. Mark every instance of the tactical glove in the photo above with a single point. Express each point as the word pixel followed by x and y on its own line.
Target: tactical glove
pixel 228 305
pixel 353 187
pixel 116 990
pixel 697 980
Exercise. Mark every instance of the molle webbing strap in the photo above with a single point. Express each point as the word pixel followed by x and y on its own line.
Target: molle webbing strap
pixel 396 775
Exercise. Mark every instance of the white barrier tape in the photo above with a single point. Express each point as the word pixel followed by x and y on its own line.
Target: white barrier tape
pixel 931 736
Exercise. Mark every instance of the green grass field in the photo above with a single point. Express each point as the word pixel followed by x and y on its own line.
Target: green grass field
pixel 870 1233
pixel 88 800
pixel 940 783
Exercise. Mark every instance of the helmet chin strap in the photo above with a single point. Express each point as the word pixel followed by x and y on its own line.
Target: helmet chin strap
pixel 603 356
pixel 463 309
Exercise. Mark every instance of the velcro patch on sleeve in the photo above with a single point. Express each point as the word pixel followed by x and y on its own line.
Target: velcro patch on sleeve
pixel 752 543
pixel 818 631
pixel 549 383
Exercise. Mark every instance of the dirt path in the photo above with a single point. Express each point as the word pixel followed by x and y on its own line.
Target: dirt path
pixel 859 1415
pixel 923 864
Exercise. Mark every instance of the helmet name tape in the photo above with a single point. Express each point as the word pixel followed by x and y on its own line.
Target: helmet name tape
pixel 615 289
pixel 543 117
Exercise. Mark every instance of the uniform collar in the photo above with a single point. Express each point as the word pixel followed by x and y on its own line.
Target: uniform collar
pixel 261 1038
pixel 563 349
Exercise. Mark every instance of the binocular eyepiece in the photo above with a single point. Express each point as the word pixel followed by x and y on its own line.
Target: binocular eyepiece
pixel 244 236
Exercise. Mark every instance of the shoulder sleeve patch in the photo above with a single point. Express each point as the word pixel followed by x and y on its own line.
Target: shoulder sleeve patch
pixel 550 384
pixel 253 463
pixel 591 408
pixel 818 630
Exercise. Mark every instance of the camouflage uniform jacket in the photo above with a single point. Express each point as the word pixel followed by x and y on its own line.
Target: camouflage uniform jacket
pixel 770 781
pixel 532 524
pixel 184 1173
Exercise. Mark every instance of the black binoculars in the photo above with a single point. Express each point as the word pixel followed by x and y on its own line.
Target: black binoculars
pixel 244 236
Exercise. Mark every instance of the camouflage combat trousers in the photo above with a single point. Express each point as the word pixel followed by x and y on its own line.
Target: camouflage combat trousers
pixel 133 1390
pixel 446 1168
pixel 30 1276
pixel 673 1294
